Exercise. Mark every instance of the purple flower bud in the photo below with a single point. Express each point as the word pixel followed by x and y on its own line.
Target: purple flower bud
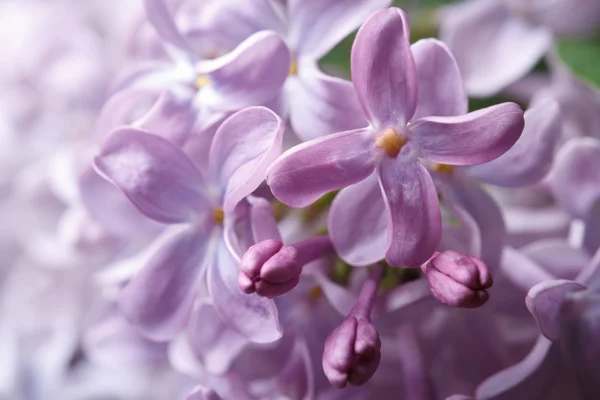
pixel 353 350
pixel 269 268
pixel 458 280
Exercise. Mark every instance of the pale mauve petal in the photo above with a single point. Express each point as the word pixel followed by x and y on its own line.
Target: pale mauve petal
pixel 316 26
pixel 309 170
pixel 544 302
pixel 493 47
pixel 358 223
pixel 243 148
pixel 320 104
pixel 579 332
pixel 530 159
pixel 252 316
pixel 158 178
pixel 252 74
pixel 383 69
pixel 524 379
pixel 211 340
pixel 575 176
pixel 162 20
pixel 412 202
pixel 473 138
pixel 158 300
pixel 441 90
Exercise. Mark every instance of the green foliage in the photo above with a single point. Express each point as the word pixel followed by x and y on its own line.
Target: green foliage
pixel 582 57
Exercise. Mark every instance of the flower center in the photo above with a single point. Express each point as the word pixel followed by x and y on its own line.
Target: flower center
pixel 202 81
pixel 443 169
pixel 314 293
pixel 293 68
pixel 218 215
pixel 390 141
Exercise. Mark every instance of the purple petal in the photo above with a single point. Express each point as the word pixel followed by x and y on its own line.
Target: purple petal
pixel 358 223
pixel 415 229
pixel 158 300
pixel 521 271
pixel 254 317
pixel 264 225
pixel 316 26
pixel 211 340
pixel 160 17
pixel 558 257
pixel 158 178
pixel 112 209
pixel 575 177
pixel 245 145
pixel 580 329
pixel 441 90
pixel 488 215
pixel 234 21
pixel 544 301
pixel 526 379
pixel 529 160
pixel 306 172
pixel 493 47
pixel 250 75
pixel 171 117
pixel 473 138
pixel 320 104
pixel 383 69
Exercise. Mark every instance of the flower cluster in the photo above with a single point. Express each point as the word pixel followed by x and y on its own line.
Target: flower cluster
pixel 200 203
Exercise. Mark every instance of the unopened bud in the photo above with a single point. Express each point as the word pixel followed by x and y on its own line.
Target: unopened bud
pixel 352 352
pixel 269 268
pixel 458 280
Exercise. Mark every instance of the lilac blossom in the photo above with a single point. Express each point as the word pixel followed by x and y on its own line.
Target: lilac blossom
pixel 389 150
pixel 485 35
pixel 163 183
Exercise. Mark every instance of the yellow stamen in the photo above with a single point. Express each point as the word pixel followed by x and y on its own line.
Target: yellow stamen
pixel 390 141
pixel 443 169
pixel 218 215
pixel 293 68
pixel 202 81
pixel 315 293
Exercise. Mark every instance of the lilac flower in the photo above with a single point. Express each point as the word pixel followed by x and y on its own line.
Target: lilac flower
pixel 164 184
pixel 496 42
pixel 458 280
pixel 396 97
pixel 315 103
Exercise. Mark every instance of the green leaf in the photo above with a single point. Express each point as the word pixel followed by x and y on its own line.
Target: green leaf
pixel 582 57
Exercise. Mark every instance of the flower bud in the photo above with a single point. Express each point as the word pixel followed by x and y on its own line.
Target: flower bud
pixel 269 268
pixel 352 352
pixel 458 280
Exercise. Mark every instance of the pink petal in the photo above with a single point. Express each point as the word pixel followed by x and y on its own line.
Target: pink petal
pixel 316 26
pixel 306 172
pixel 358 223
pixel 529 160
pixel 252 316
pixel 524 379
pixel 575 176
pixel 158 300
pixel 415 229
pixel 320 104
pixel 253 73
pixel 441 90
pixel 473 138
pixel 154 174
pixel 493 47
pixel 544 302
pixel 245 145
pixel 383 69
